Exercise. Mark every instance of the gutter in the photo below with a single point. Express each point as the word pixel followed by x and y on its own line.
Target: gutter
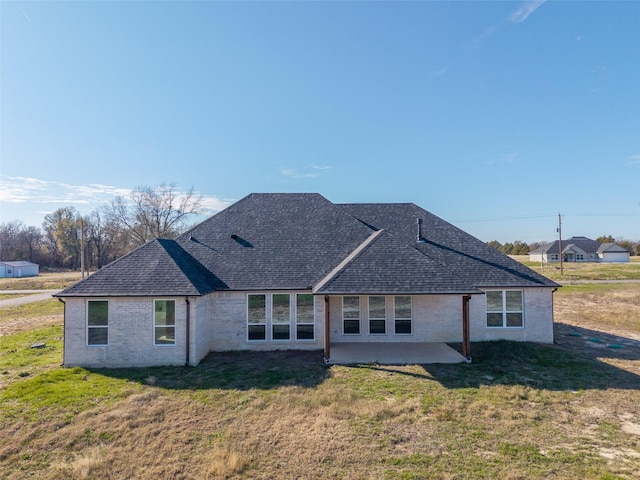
pixel 188 326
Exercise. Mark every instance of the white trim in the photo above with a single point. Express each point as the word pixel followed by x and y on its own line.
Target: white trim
pixel 266 311
pixel 295 317
pixel 175 309
pixel 272 323
pixel 384 319
pixel 505 312
pixel 359 314
pixel 87 327
pixel 401 318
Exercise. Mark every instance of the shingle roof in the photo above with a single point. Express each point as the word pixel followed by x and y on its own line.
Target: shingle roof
pixel 303 241
pixel 158 268
pixel 469 260
pixel 282 241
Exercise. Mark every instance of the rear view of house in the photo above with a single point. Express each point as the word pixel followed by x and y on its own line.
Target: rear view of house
pixel 295 271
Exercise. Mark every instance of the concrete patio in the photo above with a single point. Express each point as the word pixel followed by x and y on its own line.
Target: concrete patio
pixel 393 353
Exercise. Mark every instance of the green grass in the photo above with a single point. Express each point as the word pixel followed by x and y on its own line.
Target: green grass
pixel 35 309
pixel 586 270
pixel 518 411
pixel 16 353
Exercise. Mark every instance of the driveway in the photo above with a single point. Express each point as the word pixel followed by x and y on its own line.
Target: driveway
pixel 30 296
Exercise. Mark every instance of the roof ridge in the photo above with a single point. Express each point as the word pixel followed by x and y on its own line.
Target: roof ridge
pixel 347 260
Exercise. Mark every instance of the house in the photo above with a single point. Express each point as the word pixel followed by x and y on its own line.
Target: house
pixel 296 271
pixel 19 269
pixel 579 249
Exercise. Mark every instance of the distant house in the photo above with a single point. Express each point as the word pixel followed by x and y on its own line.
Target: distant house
pixel 19 269
pixel 298 272
pixel 579 249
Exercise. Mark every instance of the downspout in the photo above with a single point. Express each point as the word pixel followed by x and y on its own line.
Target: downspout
pixel 327 330
pixel 188 327
pixel 466 341
pixel 64 329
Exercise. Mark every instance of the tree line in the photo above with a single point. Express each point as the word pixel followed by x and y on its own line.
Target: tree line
pixel 107 233
pixel 522 248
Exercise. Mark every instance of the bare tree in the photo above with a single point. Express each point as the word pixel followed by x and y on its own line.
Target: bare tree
pixel 155 212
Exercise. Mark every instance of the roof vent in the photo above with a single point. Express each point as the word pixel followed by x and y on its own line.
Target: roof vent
pixel 234 236
pixel 419 237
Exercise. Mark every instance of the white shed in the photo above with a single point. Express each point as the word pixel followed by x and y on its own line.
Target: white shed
pixel 19 269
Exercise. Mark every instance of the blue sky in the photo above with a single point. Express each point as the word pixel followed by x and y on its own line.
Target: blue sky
pixel 495 116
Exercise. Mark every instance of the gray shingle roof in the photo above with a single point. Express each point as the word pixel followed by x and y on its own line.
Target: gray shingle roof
pixel 158 268
pixel 303 241
pixel 469 260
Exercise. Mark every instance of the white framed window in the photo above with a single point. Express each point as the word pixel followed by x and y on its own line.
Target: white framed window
pixel 256 317
pixel 97 323
pixel 505 308
pixel 164 322
pixel 402 315
pixel 305 317
pixel 280 316
pixel 377 315
pixel 351 315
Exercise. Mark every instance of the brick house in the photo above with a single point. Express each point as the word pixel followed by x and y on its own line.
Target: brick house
pixel 295 271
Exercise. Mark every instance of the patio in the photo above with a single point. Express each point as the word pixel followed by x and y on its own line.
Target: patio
pixel 393 353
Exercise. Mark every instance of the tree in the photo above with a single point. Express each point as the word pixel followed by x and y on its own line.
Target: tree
pixel 19 242
pixel 61 237
pixel 155 212
pixel 495 244
pixel 605 239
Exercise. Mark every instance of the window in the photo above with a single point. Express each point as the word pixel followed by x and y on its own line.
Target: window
pixel 554 257
pixel 402 315
pixel 257 317
pixel 280 316
pixel 164 322
pixel 97 322
pixel 351 315
pixel 304 316
pixel 377 315
pixel 504 308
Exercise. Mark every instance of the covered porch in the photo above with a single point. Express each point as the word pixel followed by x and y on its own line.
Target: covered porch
pixel 345 352
pixel 393 353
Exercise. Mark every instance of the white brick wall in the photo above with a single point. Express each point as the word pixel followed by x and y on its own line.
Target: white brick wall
pixel 219 323
pixel 438 318
pixel 131 335
pixel 229 325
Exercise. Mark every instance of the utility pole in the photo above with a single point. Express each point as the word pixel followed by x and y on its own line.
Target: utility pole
pixel 81 238
pixel 560 242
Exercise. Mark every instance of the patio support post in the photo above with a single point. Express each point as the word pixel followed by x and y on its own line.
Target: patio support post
pixel 327 328
pixel 466 341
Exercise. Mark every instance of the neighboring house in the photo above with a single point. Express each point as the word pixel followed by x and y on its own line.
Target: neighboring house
pixel 295 271
pixel 579 249
pixel 19 269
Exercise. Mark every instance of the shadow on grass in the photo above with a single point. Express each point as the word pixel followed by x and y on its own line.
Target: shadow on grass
pixel 549 367
pixel 233 370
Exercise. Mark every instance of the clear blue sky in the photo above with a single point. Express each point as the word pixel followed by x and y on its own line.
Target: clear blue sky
pixel 495 116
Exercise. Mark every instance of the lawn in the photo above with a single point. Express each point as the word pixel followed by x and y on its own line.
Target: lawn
pixel 519 411
pixel 573 271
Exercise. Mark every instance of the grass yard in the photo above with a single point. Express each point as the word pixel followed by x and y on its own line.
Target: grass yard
pixel 519 411
pixel 574 271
